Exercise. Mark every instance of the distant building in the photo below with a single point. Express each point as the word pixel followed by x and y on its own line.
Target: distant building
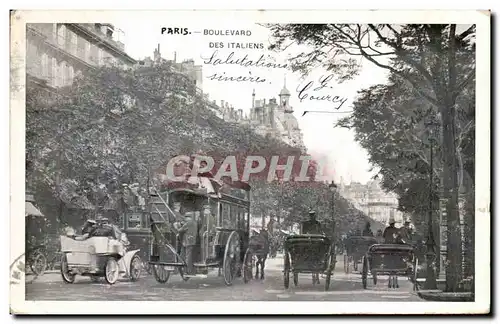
pixel 56 53
pixel 271 118
pixel 373 201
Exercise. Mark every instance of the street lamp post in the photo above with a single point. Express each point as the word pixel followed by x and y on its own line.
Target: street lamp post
pixel 430 282
pixel 333 189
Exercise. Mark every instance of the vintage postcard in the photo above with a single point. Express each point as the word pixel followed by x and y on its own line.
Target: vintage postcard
pixel 180 160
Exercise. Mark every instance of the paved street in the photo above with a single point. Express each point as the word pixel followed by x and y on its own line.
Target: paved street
pixel 344 287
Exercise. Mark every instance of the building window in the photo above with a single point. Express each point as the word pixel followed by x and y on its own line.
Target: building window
pixel 81 48
pixel 54 73
pixel 62 74
pixel 45 66
pixel 71 75
pixel 93 54
pixel 71 42
pixel 100 56
pixel 61 35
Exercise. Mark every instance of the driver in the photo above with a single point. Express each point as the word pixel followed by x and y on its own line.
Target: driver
pixel 89 228
pixel 311 226
pixel 390 232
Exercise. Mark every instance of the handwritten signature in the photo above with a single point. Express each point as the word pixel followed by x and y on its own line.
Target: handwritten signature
pixel 318 92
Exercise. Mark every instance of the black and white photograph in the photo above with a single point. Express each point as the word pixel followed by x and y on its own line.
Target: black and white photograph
pixel 206 157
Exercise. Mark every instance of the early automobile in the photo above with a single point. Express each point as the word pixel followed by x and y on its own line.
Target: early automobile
pixel 98 256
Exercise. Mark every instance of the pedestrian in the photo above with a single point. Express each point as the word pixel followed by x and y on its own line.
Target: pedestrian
pixel 380 237
pixel 189 231
pixel 406 232
pixel 367 231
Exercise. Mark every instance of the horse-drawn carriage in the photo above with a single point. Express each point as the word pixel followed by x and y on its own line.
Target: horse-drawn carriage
pixel 308 253
pixel 222 236
pixel 355 249
pixel 389 259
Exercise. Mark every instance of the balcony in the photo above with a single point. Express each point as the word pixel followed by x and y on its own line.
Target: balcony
pixel 109 36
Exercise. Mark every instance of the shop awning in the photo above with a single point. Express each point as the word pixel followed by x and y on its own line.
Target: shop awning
pixel 31 210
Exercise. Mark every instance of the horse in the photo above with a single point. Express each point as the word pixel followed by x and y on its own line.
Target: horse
pixel 259 245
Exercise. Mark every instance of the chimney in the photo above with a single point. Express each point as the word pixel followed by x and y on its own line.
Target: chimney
pixel 157 55
pixel 222 103
pixel 264 102
pixel 253 98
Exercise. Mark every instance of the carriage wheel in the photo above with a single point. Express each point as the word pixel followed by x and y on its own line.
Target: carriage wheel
pixel 38 263
pixel 231 258
pixel 248 265
pixel 160 273
pixel 67 276
pixel 286 271
pixel 111 271
pixel 364 274
pixel 346 263
pixel 135 268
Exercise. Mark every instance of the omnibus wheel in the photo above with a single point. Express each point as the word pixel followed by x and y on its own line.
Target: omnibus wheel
pixel 231 258
pixel 286 271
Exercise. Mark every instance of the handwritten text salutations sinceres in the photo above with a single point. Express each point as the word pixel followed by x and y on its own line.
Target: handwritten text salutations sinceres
pixel 245 61
pixel 317 91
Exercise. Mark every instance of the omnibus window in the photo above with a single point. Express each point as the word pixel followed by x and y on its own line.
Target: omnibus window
pixel 226 216
pixel 241 219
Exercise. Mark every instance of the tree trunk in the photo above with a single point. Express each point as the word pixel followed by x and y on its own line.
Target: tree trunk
pixel 450 193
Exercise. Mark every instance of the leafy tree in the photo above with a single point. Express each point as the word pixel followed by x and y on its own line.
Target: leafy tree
pixel 436 61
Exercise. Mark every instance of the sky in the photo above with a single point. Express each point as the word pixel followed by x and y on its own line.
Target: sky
pixel 344 157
